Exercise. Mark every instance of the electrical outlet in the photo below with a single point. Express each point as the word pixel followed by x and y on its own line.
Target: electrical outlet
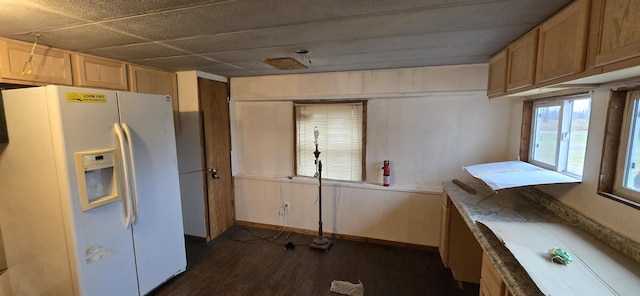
pixel 287 206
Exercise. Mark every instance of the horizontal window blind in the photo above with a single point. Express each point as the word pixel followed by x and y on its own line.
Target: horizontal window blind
pixel 340 140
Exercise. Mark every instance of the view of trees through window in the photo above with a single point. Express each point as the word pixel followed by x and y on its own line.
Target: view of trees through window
pixel 560 134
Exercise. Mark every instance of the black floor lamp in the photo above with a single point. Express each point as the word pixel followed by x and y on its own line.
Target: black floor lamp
pixel 320 242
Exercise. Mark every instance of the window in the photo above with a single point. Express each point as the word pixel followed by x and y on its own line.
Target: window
pixel 341 141
pixel 627 174
pixel 559 129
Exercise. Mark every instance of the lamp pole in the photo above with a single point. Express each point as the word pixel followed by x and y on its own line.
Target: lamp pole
pixel 320 242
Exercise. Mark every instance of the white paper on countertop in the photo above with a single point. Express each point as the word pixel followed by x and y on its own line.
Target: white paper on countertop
pixel 596 269
pixel 509 174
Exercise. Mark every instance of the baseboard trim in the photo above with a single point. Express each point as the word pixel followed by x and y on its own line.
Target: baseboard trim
pixel 195 239
pixel 339 236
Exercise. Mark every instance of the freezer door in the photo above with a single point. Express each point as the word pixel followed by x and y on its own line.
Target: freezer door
pixel 157 216
pixel 82 120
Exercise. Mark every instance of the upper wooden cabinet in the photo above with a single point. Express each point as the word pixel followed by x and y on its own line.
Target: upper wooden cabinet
pixel 563 42
pixel 588 41
pixel 497 73
pixel 154 81
pixel 99 72
pixel 521 61
pixel 614 32
pixel 46 66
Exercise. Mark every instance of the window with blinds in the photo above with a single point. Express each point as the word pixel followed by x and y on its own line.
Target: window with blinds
pixel 341 142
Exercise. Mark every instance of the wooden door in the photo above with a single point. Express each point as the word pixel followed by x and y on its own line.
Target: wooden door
pixel 216 135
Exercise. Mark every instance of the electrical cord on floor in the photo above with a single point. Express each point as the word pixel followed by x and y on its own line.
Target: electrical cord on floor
pixel 258 239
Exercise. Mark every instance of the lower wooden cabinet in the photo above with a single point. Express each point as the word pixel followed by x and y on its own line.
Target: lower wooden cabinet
pixel 491 284
pixel 459 249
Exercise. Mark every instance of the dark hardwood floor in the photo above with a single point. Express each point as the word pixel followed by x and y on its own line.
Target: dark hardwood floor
pixel 248 261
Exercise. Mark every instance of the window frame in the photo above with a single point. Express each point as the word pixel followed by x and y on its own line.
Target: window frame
pixel 630 107
pixel 364 135
pixel 611 149
pixel 565 101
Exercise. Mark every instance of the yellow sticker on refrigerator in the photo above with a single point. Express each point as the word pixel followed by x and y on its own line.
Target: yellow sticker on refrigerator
pixel 77 97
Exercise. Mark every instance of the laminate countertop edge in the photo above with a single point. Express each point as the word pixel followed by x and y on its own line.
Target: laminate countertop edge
pixel 526 205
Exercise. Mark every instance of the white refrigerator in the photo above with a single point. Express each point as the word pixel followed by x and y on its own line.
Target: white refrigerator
pixel 90 197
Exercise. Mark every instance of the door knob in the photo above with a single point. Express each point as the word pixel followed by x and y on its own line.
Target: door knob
pixel 214 173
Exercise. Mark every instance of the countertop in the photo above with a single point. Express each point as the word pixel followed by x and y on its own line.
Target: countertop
pixel 524 205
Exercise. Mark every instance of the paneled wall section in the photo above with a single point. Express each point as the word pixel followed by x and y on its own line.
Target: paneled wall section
pixel 428 134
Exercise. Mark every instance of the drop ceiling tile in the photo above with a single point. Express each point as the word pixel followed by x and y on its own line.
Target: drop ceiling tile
pixel 177 63
pixel 483 41
pixel 233 35
pixel 104 10
pixel 408 24
pixel 136 51
pixel 21 18
pixel 86 37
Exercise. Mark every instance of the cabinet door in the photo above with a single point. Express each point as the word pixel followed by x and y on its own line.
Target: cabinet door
pixel 522 61
pixel 98 72
pixel 497 73
pixel 483 289
pixel 563 42
pixel 464 251
pixel 614 34
pixel 444 229
pixel 490 278
pixel 4 136
pixel 46 66
pixel 154 81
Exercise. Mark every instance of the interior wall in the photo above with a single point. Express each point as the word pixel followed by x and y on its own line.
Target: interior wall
pixel 189 148
pixel 583 197
pixel 428 137
pixel 350 209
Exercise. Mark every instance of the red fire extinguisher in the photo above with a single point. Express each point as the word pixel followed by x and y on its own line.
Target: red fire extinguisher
pixel 386 171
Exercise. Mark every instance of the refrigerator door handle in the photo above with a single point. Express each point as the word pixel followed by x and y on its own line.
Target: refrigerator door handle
pixel 125 170
pixel 134 188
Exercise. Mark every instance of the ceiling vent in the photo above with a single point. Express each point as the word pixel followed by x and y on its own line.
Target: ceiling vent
pixel 284 63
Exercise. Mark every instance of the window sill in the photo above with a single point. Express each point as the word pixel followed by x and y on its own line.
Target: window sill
pixel 619 199
pixel 348 184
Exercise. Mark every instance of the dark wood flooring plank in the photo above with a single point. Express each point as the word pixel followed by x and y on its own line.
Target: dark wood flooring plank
pixel 236 263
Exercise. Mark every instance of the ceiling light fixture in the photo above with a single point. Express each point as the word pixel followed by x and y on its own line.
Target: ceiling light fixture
pixel 288 63
pixel 303 54
pixel 284 63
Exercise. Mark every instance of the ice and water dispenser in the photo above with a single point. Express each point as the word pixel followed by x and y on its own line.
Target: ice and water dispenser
pixel 98 178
